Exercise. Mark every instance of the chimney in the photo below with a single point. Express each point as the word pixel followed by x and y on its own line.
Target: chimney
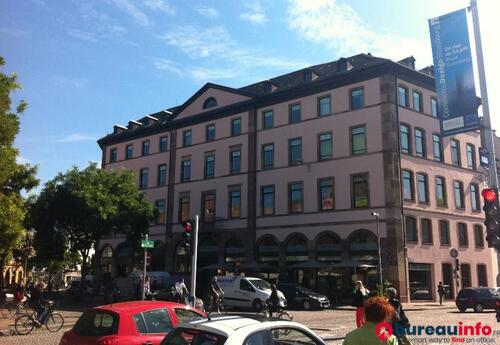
pixel 118 129
pixel 408 62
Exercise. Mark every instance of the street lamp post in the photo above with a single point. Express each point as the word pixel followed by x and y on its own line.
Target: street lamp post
pixel 377 216
pixel 30 236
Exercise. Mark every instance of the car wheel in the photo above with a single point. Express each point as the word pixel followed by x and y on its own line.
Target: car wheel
pixel 257 305
pixel 306 304
pixel 462 309
pixel 478 308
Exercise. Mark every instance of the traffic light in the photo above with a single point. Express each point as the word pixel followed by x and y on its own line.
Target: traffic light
pixel 491 217
pixel 188 235
pixel 148 259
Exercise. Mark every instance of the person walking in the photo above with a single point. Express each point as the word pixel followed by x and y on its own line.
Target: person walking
pixel 399 320
pixel 359 300
pixel 377 310
pixel 441 292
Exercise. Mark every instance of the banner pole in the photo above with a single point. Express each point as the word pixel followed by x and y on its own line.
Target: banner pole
pixel 486 126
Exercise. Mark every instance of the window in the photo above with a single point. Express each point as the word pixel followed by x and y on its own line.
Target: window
pixel 441 199
pixel 184 315
pixel 267 156
pixel 357 98
pixel 458 188
pixel 267 119
pixel 403 96
pixel 162 175
pixel 465 275
pixel 163 145
pixel 160 211
pixel 208 207
pixel 235 127
pixel 422 189
pixel 444 233
pixel 143 178
pixel 186 138
pixel 209 165
pixel 235 204
pixel 360 190
pixel 417 101
pixel 308 76
pixel 438 148
pixel 289 335
pixel 186 170
pixel 478 236
pixel 471 157
pixel 210 102
pixel 463 238
pixel 324 107
pixel 96 323
pixel 426 227
pixel 183 208
pixel 295 151
pixel 294 113
pixel 129 151
pixel 482 277
pixel 235 161
pixel 455 152
pixel 325 146
pixel 153 321
pixel 474 197
pixel 420 142
pixel 210 132
pixel 358 140
pixel 326 194
pixel 113 155
pixel 145 148
pixel 411 229
pixel 267 200
pixel 405 138
pixel 295 197
pixel 434 107
pixel 407 177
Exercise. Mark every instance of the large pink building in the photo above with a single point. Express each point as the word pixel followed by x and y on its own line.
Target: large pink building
pixel 286 173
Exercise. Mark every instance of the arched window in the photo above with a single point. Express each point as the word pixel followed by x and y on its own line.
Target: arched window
pixel 107 252
pixel 158 257
pixel 328 249
pixel 124 260
pixel 268 251
pixel 363 247
pixel 235 251
pixel 210 102
pixel 296 250
pixel 182 259
pixel 207 252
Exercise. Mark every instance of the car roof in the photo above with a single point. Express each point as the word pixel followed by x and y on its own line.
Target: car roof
pixel 138 306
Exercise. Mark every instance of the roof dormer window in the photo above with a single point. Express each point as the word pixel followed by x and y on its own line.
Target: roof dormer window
pixel 210 102
pixel 269 87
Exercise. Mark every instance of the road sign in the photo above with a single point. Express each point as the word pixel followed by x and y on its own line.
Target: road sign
pixel 454 253
pixel 484 157
pixel 147 244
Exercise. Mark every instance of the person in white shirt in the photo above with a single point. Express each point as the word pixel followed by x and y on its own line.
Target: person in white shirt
pixel 181 291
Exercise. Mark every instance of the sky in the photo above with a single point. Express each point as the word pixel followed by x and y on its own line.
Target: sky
pixel 87 65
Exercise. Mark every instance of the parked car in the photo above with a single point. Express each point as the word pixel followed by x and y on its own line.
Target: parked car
pixel 498 310
pixel 301 297
pixel 477 299
pixel 138 322
pixel 237 330
pixel 419 291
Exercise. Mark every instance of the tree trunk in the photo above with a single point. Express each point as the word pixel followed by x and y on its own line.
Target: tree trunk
pixel 2 267
pixel 84 271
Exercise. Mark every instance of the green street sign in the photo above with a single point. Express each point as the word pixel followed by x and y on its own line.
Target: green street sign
pixel 147 244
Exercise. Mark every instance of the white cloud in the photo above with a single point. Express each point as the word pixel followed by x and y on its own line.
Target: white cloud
pixel 13 32
pixel 255 13
pixel 209 12
pixel 132 10
pixel 22 160
pixel 70 82
pixel 208 73
pixel 76 137
pixel 83 35
pixel 159 5
pixel 166 65
pixel 338 27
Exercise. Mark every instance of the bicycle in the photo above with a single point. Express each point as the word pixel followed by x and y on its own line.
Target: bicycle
pixel 53 321
pixel 281 313
pixel 216 305
pixel 13 309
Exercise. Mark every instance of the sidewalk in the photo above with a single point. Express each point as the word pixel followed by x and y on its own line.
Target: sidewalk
pixel 414 306
pixel 70 317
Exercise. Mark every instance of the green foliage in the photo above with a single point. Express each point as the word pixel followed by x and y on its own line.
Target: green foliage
pixel 382 288
pixel 78 208
pixel 14 177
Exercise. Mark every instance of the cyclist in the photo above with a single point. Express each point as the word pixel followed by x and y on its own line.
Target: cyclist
pixel 215 292
pixel 20 295
pixel 275 302
pixel 38 303
pixel 181 291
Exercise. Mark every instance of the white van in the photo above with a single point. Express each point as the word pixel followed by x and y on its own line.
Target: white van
pixel 244 292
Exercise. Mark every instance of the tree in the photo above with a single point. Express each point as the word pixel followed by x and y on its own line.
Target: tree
pixel 76 209
pixel 14 177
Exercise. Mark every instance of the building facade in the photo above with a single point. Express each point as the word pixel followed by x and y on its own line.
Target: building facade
pixel 286 173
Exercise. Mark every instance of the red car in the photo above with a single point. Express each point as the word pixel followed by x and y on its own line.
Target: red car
pixel 129 323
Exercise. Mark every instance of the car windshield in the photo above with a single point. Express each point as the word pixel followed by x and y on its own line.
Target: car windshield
pixel 260 284
pixel 305 290
pixel 183 336
pixel 96 323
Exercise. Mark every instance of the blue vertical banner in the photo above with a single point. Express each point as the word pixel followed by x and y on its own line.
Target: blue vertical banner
pixel 457 101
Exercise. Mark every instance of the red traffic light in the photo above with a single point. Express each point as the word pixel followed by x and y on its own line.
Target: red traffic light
pixel 187 226
pixel 489 194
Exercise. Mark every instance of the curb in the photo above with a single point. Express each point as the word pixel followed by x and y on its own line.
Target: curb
pixel 12 332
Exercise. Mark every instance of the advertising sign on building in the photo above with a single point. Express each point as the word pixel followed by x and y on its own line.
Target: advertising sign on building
pixel 457 101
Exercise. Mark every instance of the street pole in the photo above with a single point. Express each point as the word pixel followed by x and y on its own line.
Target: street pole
pixel 486 127
pixel 194 258
pixel 143 297
pixel 380 280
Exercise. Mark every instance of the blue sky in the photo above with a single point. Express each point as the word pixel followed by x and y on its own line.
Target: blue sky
pixel 86 65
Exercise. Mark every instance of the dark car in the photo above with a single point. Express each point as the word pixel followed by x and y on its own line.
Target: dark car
pixel 477 299
pixel 301 297
pixel 498 310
